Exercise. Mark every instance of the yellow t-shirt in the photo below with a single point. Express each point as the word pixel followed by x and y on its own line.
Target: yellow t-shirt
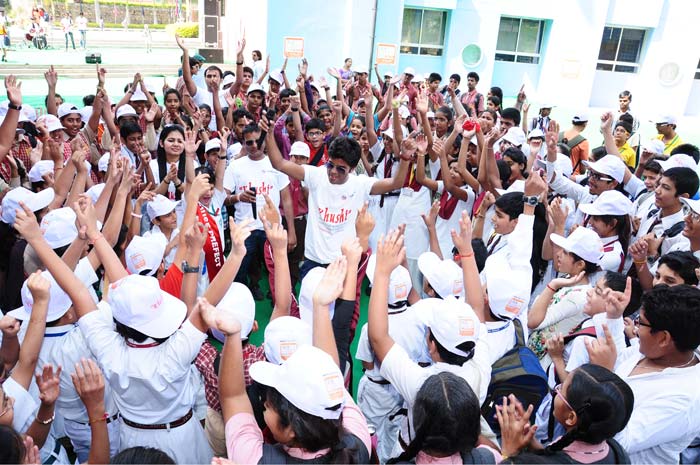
pixel 672 144
pixel 628 155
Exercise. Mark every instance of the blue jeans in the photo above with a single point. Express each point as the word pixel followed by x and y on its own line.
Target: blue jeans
pixel 83 39
pixel 71 39
pixel 254 251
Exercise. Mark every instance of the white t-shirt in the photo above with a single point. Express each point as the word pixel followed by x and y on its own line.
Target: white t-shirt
pixel 204 96
pixel 82 23
pixel 244 173
pixel 332 211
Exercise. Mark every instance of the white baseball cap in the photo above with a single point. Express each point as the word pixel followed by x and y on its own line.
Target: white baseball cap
pixel 608 203
pixel 309 379
pixel 145 253
pixel 283 336
pixel 583 242
pixel 138 96
pixel 212 144
pixel 665 119
pixel 277 76
pixel 40 168
pixel 150 88
pixel 300 149
pixel 409 70
pixel 233 150
pixel 59 301
pixel 85 113
pixel 29 111
pixel 537 132
pixel 66 109
pixel 255 87
pixel 52 123
pixel 452 322
pixel 679 160
pixel 654 146
pixel 103 162
pixel 361 69
pixel 563 165
pixel 34 200
pixel 159 206
pixel 228 80
pixel 139 303
pixel 306 295
pixel 95 191
pixel 399 280
pixel 417 78
pixel 444 276
pixel 126 110
pixel 515 136
pixel 239 302
pixel 58 227
pixel 547 105
pixel 580 117
pixel 694 205
pixel 508 288
pixel 404 112
pixel 612 165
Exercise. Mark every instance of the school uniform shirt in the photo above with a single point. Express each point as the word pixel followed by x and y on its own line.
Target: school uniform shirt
pixel 444 227
pixel 657 224
pixel 171 256
pixel 670 145
pixel 243 174
pixel 577 352
pixel 215 209
pixel 628 155
pixel 86 274
pixel 202 95
pixel 665 418
pixel 332 211
pixel 613 255
pixel 382 206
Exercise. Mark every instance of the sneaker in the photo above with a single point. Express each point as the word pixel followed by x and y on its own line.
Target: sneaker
pixel 257 294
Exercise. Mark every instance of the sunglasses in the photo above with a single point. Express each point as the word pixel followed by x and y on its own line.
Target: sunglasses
pixel 250 142
pixel 599 177
pixel 340 169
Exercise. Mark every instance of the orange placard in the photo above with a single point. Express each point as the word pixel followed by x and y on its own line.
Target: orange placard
pixel 293 47
pixel 386 54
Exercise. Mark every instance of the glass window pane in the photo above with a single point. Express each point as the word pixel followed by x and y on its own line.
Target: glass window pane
pixel 433 27
pixel 631 45
pixel 527 59
pixel 410 32
pixel 697 75
pixel 505 57
pixel 529 41
pixel 409 50
pixel 625 69
pixel 604 67
pixel 508 34
pixel 435 52
pixel 608 46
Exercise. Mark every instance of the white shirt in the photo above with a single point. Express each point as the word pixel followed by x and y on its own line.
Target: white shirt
pixel 243 174
pixel 204 96
pixel 665 418
pixel 66 23
pixel 150 385
pixel 86 274
pixel 444 227
pixel 82 23
pixel 171 256
pixel 258 70
pixel 332 211
pixel 613 255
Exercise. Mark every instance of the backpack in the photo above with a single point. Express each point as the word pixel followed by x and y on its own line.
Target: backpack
pixel 519 373
pixel 477 455
pixel 276 454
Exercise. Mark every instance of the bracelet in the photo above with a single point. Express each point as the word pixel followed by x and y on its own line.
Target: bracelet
pixel 101 418
pixel 239 63
pixel 481 216
pixel 46 422
pixel 222 157
pixel 97 238
pixel 135 215
pixel 640 262
pixel 469 255
pixel 551 288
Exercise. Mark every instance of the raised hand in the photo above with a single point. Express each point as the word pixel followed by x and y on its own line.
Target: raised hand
pixel 191 143
pixel 333 72
pixel 352 250
pixel 90 385
pixel 364 223
pixel 85 214
pixel 463 240
pixel 240 46
pixel 535 184
pixel 639 251
pixel 390 252
pixel 215 318
pixel 606 120
pixel 51 77
pixel 422 103
pixel 270 212
pixel 151 113
pixel 555 345
pixel 558 212
pixel 101 74
pixel 616 302
pixel 180 43
pixel 430 219
pixel 408 148
pixel 9 326
pixel 14 90
pixel 303 67
pixel 26 224
pixel 494 135
pixel 276 234
pixel 602 351
pixel 516 431
pixel 199 186
pixel 422 143
pixel 558 283
pixel 48 383
pixel 196 236
pixel 331 285
pixel 239 233
pixel 31 451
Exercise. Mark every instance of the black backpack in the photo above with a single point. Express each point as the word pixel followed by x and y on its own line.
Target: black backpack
pixel 519 373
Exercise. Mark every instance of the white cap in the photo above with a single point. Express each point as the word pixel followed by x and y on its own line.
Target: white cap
pixel 404 112
pixel 29 111
pixel 276 75
pixel 255 87
pixel 361 69
pixel 388 74
pixel 563 165
pixel 306 295
pixel 547 105
pixel 654 146
pixel 138 96
pixel 399 280
pixel 283 336
pixel 611 165
pixel 309 379
pixel 40 168
pixel 608 203
pixel 679 160
pixel 517 186
pixel 139 303
pixel 126 110
pixel 665 119
pixel 95 191
pixel 417 78
pixel 58 227
pixel 145 253
pixel 239 302
pixel 580 117
pixel 59 301
pixel 52 123
pixel 444 276
pixel 431 114
pixel 583 242
pixel 103 162
pixel 228 79
pixel 409 70
pixel 508 288
pixel 150 88
pixel 212 144
pixel 515 136
pixel 300 149
pixel 233 150
pixel 452 322
pixel 66 109
pixel 537 132
pixel 35 202
pixel 159 206
pixel 694 205
pixel 85 113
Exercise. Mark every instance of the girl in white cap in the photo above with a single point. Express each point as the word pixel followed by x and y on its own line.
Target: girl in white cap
pixel 608 216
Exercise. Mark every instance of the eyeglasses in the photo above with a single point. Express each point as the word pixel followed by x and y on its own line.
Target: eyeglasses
pixel 599 177
pixel 638 322
pixel 250 142
pixel 314 133
pixel 694 216
pixel 557 390
pixel 340 169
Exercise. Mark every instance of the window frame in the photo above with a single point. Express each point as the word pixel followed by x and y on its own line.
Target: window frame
pixel 515 54
pixel 419 46
pixel 616 63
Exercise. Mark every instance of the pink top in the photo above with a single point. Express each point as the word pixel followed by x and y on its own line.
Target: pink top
pixel 244 440
pixel 423 458
pixel 587 453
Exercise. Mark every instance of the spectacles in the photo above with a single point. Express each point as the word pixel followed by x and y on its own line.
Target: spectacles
pixel 314 133
pixel 340 169
pixel 638 322
pixel 694 216
pixel 250 142
pixel 599 177
pixel 557 390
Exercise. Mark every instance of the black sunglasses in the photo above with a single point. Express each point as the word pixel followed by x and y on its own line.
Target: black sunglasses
pixel 250 142
pixel 339 169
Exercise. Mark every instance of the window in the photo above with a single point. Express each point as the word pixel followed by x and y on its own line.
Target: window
pixel 697 72
pixel 519 40
pixel 423 32
pixel 620 49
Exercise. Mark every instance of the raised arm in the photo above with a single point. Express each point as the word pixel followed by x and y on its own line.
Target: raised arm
pixel 278 162
pixel 277 237
pixel 236 86
pixel 51 77
pixel 9 124
pixel 327 291
pixel 218 287
pixel 382 186
pixel 606 121
pixel 470 273
pixel 466 175
pixel 90 385
pixel 420 168
pixel 186 70
pixel 214 89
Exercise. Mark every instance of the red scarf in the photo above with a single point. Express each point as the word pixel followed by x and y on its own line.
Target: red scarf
pixel 213 248
pixel 447 205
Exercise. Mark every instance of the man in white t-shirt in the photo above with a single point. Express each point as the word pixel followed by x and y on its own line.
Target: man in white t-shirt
pixel 335 194
pixel 66 26
pixel 82 23
pixel 247 180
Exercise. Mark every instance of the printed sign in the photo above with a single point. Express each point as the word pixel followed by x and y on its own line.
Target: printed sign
pixel 293 47
pixel 386 54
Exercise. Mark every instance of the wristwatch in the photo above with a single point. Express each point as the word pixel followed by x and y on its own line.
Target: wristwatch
pixel 12 106
pixel 186 268
pixel 531 200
